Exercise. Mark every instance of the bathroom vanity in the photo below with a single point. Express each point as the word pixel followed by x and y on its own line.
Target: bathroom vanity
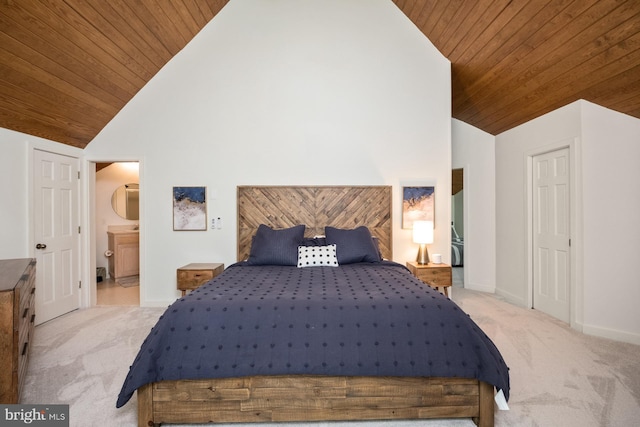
pixel 125 258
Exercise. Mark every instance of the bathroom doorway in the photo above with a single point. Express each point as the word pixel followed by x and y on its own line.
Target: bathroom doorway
pixel 117 224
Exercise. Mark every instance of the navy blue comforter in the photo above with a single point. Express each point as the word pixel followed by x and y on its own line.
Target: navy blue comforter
pixel 366 319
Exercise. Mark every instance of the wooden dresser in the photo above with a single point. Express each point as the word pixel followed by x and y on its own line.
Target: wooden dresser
pixel 17 315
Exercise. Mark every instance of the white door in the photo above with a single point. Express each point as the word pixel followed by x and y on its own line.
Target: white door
pixel 551 244
pixel 56 234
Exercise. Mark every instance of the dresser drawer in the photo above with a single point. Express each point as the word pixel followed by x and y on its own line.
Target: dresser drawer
pixel 435 276
pixel 17 316
pixel 191 279
pixel 192 276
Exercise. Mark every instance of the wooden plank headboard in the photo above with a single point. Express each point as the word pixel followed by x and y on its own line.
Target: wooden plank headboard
pixel 315 207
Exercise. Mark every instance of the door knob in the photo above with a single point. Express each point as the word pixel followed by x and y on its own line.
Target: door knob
pixel 41 246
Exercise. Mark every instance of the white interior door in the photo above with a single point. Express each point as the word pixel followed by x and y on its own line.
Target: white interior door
pixel 56 234
pixel 551 234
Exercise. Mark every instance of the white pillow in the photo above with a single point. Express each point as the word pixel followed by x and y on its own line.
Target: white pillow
pixel 313 256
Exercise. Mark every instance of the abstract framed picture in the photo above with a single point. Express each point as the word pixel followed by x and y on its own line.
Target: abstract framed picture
pixel 189 208
pixel 418 204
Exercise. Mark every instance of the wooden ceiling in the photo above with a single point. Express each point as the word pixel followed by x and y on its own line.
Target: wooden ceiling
pixel 68 66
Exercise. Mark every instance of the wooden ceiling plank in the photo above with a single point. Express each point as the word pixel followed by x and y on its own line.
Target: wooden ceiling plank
pixel 518 63
pixel 595 69
pixel 425 12
pixel 450 14
pixel 489 12
pixel 89 38
pixel 75 44
pixel 553 62
pixel 187 18
pixel 616 89
pixel 597 79
pixel 522 24
pixel 411 8
pixel 33 48
pixel 504 61
pixel 492 37
pixel 48 79
pixel 124 50
pixel 623 91
pixel 46 39
pixel 133 43
pixel 57 119
pixel 22 123
pixel 161 26
pixel 138 25
pixel 172 14
pixel 215 6
pixel 457 27
pixel 208 8
pixel 49 99
pixel 196 13
pixel 430 24
pixel 599 94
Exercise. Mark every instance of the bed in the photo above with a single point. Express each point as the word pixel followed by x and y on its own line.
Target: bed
pixel 457 248
pixel 355 341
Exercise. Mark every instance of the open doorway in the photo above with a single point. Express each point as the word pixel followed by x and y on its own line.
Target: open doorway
pixel 457 226
pixel 117 224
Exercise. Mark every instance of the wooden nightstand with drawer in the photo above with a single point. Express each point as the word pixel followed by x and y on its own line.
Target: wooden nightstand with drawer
pixel 437 276
pixel 193 275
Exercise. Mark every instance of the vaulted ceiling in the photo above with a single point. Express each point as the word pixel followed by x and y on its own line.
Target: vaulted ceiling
pixel 68 66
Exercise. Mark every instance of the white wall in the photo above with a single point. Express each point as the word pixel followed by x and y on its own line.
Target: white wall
pixel 14 230
pixel 284 92
pixel 512 148
pixel 474 151
pixel 15 193
pixel 611 182
pixel 605 201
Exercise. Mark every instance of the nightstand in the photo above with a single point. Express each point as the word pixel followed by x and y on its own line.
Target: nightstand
pixel 191 276
pixel 435 275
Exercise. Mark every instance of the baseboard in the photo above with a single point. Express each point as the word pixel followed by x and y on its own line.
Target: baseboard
pixel 511 298
pixel 480 287
pixel 162 303
pixel 612 334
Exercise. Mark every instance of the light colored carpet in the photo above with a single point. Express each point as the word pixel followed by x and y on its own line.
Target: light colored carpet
pixel 559 377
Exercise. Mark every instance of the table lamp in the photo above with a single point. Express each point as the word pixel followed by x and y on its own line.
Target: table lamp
pixel 423 235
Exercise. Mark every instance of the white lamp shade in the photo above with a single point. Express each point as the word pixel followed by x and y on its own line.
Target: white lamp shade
pixel 423 232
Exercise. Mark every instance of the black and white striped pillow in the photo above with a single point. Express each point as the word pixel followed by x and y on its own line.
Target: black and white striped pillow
pixel 313 256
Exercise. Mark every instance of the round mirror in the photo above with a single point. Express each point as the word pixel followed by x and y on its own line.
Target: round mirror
pixel 125 201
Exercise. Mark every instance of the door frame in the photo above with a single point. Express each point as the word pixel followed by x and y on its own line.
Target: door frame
pixel 89 224
pixel 576 304
pixel 61 150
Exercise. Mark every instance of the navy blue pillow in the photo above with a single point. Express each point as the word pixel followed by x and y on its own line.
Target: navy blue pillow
pixel 354 245
pixel 276 247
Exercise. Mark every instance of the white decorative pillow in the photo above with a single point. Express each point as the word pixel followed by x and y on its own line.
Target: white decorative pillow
pixel 313 256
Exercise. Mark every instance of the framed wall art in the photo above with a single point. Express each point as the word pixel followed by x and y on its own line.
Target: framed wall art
pixel 189 208
pixel 418 204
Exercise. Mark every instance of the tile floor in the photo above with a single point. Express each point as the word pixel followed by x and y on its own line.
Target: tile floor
pixel 110 293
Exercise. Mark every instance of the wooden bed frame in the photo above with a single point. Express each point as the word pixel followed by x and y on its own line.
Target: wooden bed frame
pixel 307 397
